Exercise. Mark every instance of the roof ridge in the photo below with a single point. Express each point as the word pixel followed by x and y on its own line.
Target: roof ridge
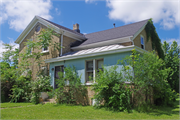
pixel 59 25
pixel 119 26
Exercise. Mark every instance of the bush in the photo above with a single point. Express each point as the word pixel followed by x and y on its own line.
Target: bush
pixel 70 89
pixel 21 89
pixel 40 84
pixel 9 75
pixel 111 91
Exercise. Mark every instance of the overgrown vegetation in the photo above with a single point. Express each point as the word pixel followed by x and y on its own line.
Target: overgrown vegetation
pixel 172 60
pixel 156 41
pixel 40 84
pixel 16 79
pixel 147 82
pixel 70 89
pixel 111 91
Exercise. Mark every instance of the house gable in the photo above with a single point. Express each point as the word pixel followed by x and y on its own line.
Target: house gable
pixel 57 28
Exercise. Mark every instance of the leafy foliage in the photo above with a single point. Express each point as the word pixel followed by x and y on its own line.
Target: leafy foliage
pixel 34 49
pixel 9 75
pixel 156 41
pixel 172 60
pixel 70 89
pixel 149 77
pixel 40 84
pixel 111 91
pixel 10 55
pixel 21 89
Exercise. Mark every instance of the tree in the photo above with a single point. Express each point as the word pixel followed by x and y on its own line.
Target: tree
pixel 150 76
pixel 172 60
pixel 10 55
pixel 34 47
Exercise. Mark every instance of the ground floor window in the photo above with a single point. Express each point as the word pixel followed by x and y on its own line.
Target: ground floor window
pixel 93 66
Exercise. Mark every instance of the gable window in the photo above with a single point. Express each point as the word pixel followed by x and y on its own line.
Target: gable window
pixel 93 66
pixel 142 42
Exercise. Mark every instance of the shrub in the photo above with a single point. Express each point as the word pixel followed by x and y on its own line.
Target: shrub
pixel 111 91
pixel 21 89
pixel 70 89
pixel 40 84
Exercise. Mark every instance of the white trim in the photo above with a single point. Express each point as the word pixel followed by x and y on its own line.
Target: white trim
pixel 108 42
pixel 139 31
pixel 37 19
pixel 45 51
pixel 125 49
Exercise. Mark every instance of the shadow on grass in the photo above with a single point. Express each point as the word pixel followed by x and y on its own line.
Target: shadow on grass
pixel 160 110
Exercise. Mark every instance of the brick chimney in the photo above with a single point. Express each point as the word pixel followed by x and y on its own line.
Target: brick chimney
pixel 76 27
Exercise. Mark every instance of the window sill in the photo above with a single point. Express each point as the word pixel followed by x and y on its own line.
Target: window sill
pixel 47 51
pixel 89 83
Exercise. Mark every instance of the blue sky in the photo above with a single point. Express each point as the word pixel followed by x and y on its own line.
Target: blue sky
pixel 91 15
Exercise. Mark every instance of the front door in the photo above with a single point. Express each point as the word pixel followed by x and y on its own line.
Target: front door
pixel 56 76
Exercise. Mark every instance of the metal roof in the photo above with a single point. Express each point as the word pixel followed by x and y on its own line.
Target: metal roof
pixel 94 50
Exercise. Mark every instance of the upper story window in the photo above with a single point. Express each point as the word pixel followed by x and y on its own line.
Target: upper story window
pixel 44 49
pixel 142 42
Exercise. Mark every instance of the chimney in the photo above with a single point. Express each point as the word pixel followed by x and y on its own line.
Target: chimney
pixel 76 27
pixel 114 25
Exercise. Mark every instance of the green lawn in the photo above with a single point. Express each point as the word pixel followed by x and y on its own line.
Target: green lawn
pixel 53 111
pixel 11 105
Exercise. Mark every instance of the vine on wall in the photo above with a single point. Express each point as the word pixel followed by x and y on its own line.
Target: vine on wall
pixel 156 41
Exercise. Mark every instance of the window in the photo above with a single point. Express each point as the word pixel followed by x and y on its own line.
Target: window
pixel 89 71
pixel 142 42
pixel 93 66
pixel 44 49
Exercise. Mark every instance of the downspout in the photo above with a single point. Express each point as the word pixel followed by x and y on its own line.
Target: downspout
pixel 62 42
pixel 131 40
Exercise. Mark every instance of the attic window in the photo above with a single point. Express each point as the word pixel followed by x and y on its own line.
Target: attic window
pixel 38 28
pixel 142 42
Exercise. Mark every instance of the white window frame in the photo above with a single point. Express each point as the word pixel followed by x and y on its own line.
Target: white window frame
pixel 141 36
pixel 45 51
pixel 94 70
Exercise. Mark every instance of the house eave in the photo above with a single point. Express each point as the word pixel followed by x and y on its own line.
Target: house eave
pixel 120 50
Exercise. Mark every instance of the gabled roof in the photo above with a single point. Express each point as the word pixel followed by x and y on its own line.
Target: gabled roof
pixel 62 27
pixel 58 28
pixel 114 33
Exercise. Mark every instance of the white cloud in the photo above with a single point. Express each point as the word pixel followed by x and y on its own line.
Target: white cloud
pixel 57 11
pixel 170 40
pixel 167 12
pixel 11 43
pixel 19 13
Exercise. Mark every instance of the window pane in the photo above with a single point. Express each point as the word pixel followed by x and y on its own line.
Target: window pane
pixel 46 48
pixel 90 65
pixel 90 77
pixel 100 64
pixel 142 41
